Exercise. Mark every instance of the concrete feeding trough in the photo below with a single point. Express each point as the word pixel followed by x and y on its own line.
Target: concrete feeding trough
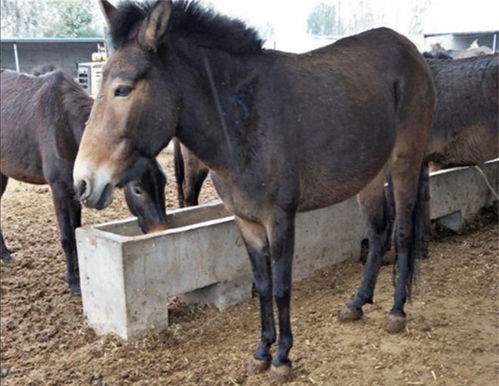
pixel 127 278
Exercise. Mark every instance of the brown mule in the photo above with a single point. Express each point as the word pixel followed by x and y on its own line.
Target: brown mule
pixel 42 121
pixel 281 133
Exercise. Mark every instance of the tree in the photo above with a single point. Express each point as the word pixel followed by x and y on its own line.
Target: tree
pixel 22 18
pixel 71 18
pixel 49 18
pixel 322 20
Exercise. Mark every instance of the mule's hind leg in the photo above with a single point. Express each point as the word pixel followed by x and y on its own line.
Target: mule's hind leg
pixel 409 231
pixel 374 206
pixel 4 252
pixel 68 212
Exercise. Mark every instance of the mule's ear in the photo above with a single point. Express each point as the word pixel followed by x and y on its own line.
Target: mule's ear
pixel 107 10
pixel 154 26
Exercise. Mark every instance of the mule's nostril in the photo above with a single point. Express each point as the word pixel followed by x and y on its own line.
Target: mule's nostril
pixel 82 190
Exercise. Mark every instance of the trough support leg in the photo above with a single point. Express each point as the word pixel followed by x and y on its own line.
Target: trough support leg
pixel 453 221
pixel 221 295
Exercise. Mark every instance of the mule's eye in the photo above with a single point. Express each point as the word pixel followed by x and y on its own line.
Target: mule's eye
pixel 122 91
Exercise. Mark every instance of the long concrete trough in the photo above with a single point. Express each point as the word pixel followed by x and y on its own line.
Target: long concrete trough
pixel 127 278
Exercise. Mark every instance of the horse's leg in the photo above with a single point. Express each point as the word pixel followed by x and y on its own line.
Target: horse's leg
pixel 68 212
pixel 179 171
pixel 194 181
pixel 409 232
pixel 374 206
pixel 255 240
pixel 4 251
pixel 281 231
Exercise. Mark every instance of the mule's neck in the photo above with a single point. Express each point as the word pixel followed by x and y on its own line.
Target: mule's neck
pixel 217 107
pixel 76 104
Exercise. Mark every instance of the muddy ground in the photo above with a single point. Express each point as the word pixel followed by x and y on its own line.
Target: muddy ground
pixel 451 338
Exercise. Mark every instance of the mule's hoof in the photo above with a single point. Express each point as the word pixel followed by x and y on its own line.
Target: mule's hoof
pixel 257 366
pixel 280 374
pixel 348 314
pixel 6 257
pixel 395 324
pixel 75 290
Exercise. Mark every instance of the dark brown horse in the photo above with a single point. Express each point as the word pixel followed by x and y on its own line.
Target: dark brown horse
pixel 42 120
pixel 281 133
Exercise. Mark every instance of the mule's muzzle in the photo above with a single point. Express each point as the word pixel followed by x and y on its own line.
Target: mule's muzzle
pixel 93 196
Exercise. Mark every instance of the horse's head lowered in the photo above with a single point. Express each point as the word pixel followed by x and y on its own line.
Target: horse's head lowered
pixel 133 108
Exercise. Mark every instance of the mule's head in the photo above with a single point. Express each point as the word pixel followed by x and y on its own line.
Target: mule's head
pixel 135 113
pixel 145 197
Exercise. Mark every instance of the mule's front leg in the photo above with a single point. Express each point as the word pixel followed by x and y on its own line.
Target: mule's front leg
pixel 68 212
pixel 281 232
pixel 256 242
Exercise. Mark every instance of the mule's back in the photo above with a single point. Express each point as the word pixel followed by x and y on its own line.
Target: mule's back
pixel 465 125
pixel 29 107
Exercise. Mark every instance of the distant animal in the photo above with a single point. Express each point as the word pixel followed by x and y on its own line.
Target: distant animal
pixel 43 69
pixel 473 50
pixel 281 133
pixel 42 121
pixel 465 125
pixel 438 55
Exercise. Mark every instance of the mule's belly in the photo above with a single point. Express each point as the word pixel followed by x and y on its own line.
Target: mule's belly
pixel 345 168
pixel 30 175
pixel 19 159
pixel 320 193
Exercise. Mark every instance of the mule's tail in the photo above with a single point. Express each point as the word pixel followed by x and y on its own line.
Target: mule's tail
pixel 179 171
pixel 420 230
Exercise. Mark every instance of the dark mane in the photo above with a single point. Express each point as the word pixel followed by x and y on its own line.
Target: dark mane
pixel 188 18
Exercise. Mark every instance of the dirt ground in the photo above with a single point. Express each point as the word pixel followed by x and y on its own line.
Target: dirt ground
pixel 451 338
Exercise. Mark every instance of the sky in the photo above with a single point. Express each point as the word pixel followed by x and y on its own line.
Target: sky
pixel 288 17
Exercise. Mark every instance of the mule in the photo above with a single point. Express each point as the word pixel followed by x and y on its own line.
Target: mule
pixel 281 133
pixel 473 50
pixel 42 120
pixel 465 126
